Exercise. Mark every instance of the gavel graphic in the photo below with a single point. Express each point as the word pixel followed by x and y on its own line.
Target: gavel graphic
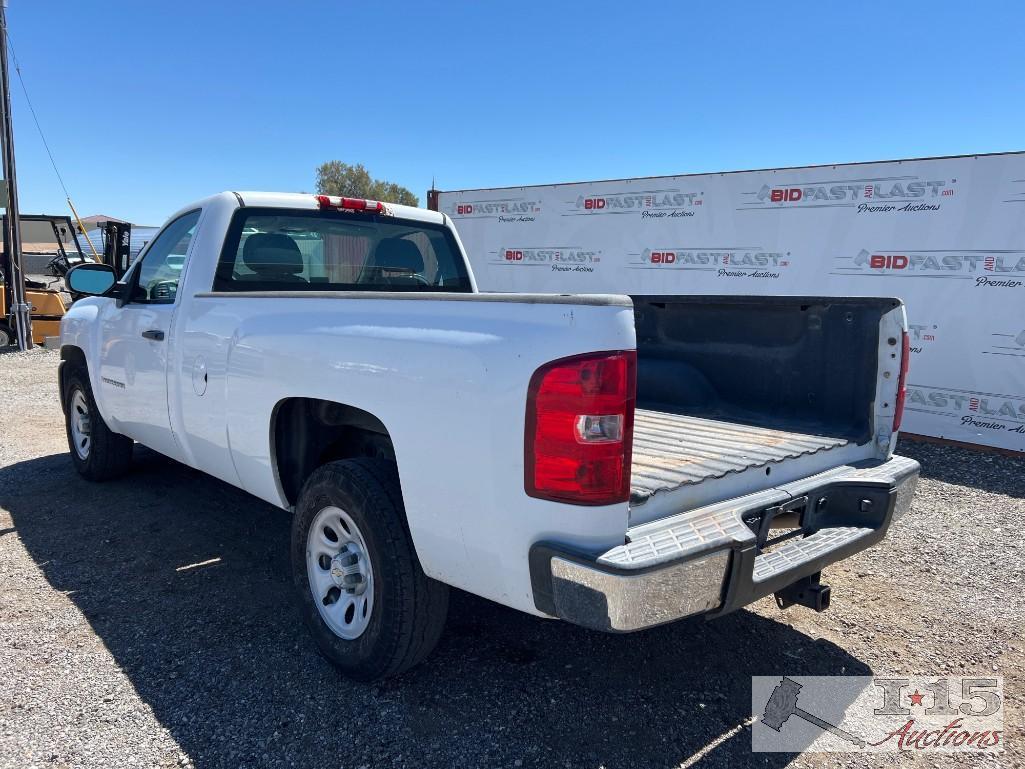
pixel 782 704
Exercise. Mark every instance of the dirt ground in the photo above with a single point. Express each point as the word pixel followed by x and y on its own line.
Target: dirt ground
pixel 148 622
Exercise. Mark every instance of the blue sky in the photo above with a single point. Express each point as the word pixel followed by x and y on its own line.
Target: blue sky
pixel 230 95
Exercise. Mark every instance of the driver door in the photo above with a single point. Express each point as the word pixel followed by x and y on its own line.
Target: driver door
pixel 136 339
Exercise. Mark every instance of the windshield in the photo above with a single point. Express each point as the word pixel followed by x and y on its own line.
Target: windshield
pixel 47 236
pixel 275 250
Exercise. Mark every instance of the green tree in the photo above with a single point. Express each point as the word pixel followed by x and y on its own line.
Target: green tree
pixel 338 178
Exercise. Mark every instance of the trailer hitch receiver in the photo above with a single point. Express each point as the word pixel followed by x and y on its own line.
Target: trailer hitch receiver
pixel 807 591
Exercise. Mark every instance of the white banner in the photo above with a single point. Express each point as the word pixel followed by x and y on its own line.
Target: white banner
pixel 945 235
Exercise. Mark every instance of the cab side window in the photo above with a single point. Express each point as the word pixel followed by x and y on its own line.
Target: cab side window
pixel 162 263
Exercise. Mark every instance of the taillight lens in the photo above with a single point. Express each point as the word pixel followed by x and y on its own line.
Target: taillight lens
pixel 579 431
pixel 905 360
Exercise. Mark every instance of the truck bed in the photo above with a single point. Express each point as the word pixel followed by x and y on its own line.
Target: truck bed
pixel 742 393
pixel 671 451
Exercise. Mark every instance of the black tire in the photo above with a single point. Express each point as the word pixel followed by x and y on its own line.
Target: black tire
pixel 409 608
pixel 109 454
pixel 6 336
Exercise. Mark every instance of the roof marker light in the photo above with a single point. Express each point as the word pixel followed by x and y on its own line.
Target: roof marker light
pixel 351 204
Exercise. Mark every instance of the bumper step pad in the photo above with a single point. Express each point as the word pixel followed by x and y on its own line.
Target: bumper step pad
pixel 795 553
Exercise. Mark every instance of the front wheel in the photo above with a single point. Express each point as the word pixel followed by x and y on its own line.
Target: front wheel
pixel 370 607
pixel 97 452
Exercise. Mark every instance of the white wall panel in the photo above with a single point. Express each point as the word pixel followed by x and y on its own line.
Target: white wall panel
pixel 945 235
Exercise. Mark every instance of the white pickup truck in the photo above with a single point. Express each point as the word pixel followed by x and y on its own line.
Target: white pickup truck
pixel 616 462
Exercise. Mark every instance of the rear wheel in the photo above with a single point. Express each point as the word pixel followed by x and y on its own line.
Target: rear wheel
pixel 370 607
pixel 6 336
pixel 97 452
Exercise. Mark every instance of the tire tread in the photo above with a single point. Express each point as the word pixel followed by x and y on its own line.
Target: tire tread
pixel 422 603
pixel 110 454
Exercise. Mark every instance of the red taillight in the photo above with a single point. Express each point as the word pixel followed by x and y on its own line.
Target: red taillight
pixel 905 360
pixel 579 432
pixel 351 204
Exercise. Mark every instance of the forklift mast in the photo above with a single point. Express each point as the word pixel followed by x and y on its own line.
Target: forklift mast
pixel 117 237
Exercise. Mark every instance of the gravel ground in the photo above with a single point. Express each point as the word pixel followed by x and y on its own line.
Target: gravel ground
pixel 111 654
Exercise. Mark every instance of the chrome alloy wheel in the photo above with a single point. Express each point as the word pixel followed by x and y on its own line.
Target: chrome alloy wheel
pixel 81 426
pixel 340 574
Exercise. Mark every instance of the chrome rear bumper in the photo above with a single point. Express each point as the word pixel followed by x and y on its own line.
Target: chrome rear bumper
pixel 713 560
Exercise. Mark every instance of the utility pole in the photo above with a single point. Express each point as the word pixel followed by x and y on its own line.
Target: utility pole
pixel 17 306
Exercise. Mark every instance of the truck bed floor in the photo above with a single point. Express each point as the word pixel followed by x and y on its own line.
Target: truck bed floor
pixel 671 450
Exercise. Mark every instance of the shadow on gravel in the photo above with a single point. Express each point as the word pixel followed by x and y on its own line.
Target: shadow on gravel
pixel 985 470
pixel 185 580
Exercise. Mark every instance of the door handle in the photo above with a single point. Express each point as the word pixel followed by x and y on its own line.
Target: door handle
pixel 155 335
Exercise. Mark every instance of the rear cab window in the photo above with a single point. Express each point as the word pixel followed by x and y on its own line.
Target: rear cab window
pixel 273 249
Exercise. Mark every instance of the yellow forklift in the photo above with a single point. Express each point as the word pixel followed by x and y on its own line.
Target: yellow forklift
pixel 50 247
pixel 47 309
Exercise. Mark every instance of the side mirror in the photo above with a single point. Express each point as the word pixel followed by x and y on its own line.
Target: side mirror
pixel 90 279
